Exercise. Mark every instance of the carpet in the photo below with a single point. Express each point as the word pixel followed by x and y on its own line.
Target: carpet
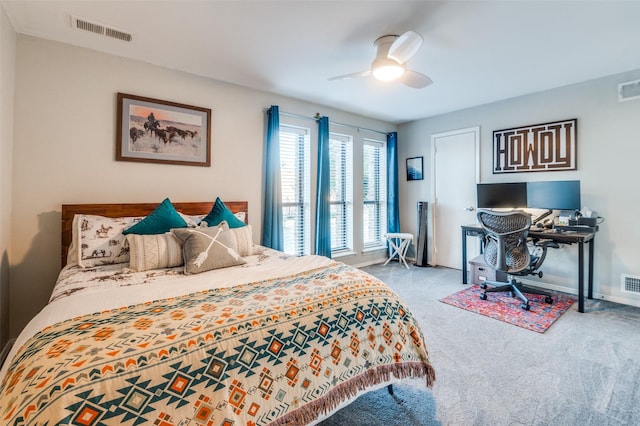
pixel 503 307
pixel 407 406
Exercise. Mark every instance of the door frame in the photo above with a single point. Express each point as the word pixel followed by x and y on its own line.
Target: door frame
pixel 434 197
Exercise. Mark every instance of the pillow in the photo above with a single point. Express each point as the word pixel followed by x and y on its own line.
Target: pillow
pixel 242 216
pixel 219 212
pixel 243 240
pixel 162 219
pixel 192 221
pixel 205 249
pixel 98 240
pixel 154 251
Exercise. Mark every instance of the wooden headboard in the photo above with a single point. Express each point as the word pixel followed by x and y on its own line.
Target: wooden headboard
pixel 133 209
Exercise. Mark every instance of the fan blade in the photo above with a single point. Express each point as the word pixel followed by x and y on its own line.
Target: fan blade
pixel 405 46
pixel 352 75
pixel 415 79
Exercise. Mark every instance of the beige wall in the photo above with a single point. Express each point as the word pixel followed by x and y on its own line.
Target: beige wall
pixel 608 152
pixel 7 65
pixel 64 150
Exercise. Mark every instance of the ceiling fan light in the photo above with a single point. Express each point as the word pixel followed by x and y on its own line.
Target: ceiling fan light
pixel 388 72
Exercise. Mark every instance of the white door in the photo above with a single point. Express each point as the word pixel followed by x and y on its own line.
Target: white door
pixel 455 172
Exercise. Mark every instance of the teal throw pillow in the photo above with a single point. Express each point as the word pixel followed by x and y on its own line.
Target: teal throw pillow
pixel 162 219
pixel 220 212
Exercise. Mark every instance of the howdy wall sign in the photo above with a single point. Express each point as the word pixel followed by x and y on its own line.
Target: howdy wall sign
pixel 536 148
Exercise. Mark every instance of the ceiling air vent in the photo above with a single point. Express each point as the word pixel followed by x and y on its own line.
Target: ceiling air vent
pixel 99 28
pixel 629 91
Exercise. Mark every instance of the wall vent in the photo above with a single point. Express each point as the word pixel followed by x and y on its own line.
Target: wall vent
pixel 99 28
pixel 630 283
pixel 629 91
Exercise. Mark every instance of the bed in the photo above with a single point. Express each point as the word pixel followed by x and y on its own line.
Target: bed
pixel 271 340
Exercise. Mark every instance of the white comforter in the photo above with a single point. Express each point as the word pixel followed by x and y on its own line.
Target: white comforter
pixel 81 291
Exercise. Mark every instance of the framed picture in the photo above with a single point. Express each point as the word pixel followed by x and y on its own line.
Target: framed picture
pixel 414 168
pixel 155 131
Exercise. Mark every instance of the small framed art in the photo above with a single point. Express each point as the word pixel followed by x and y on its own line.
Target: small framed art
pixel 155 131
pixel 414 168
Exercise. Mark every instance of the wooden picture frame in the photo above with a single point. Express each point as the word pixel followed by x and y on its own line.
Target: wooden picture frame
pixel 414 168
pixel 155 131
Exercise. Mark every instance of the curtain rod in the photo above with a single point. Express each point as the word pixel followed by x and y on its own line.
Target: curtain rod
pixel 289 114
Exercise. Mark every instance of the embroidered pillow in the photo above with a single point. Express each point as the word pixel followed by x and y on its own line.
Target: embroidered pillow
pixel 100 240
pixel 162 219
pixel 220 212
pixel 154 251
pixel 210 248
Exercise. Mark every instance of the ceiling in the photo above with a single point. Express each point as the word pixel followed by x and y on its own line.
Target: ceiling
pixel 476 52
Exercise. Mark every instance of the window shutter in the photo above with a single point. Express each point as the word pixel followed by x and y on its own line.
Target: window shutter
pixel 341 191
pixel 295 180
pixel 374 185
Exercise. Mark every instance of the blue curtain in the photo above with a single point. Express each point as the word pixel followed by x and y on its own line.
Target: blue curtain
pixel 323 209
pixel 272 233
pixel 393 205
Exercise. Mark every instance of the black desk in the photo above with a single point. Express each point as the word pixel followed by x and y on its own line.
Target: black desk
pixel 579 238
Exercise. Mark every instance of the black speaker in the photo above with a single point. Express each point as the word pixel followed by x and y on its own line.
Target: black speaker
pixel 421 244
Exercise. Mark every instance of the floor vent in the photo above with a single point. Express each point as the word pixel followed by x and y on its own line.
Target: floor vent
pixel 98 28
pixel 629 91
pixel 631 283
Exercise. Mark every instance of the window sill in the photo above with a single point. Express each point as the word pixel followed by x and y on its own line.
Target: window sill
pixel 340 254
pixel 372 249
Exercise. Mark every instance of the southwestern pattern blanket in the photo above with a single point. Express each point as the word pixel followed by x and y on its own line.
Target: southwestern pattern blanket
pixel 281 351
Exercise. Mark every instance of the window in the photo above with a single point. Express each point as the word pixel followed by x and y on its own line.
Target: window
pixel 341 191
pixel 294 163
pixel 374 185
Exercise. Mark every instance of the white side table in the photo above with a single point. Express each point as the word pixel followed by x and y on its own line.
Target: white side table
pixel 398 245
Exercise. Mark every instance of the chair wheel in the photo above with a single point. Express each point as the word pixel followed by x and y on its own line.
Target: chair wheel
pixel 540 274
pixel 548 300
pixel 513 294
pixel 483 296
pixel 525 306
pixel 483 286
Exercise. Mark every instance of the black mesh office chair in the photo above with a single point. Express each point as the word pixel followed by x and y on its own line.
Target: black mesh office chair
pixel 506 250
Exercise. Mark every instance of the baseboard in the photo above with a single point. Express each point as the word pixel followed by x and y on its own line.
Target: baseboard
pixel 561 289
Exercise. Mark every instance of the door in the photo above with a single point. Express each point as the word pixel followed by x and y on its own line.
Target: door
pixel 455 172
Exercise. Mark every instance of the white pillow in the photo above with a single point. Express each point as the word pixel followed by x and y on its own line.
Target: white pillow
pixel 243 239
pixel 100 240
pixel 241 216
pixel 192 221
pixel 154 251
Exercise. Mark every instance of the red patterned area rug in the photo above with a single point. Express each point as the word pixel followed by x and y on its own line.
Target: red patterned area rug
pixel 503 307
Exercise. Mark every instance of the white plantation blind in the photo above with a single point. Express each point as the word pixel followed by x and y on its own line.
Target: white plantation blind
pixel 374 185
pixel 341 191
pixel 296 183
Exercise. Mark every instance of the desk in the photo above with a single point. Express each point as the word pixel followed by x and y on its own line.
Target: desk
pixel 579 238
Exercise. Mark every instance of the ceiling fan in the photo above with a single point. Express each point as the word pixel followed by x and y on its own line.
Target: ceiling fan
pixel 390 63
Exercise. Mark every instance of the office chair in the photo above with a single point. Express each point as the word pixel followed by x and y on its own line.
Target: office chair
pixel 506 250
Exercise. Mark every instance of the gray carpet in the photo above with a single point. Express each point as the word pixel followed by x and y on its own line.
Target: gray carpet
pixel 584 370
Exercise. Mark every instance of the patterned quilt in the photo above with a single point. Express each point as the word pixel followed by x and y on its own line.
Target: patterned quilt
pixel 283 351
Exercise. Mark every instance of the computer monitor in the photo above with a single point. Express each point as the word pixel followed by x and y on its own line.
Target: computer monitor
pixel 554 195
pixel 502 195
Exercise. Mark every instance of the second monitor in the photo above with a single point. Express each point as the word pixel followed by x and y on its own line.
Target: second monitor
pixel 554 195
